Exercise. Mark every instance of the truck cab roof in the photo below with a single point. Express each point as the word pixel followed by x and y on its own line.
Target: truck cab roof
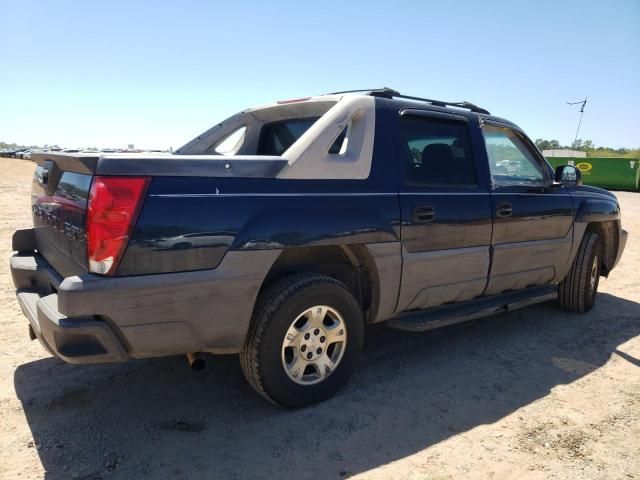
pixel 400 101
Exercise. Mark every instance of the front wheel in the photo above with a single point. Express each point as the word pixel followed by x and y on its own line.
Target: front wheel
pixel 304 340
pixel 577 292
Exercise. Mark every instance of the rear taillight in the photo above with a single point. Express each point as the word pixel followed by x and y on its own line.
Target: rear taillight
pixel 114 203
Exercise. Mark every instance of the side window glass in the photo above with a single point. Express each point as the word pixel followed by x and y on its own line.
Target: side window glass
pixel 437 152
pixel 340 144
pixel 230 144
pixel 277 137
pixel 510 160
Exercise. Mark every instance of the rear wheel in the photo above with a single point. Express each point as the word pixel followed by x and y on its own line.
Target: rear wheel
pixel 577 292
pixel 304 341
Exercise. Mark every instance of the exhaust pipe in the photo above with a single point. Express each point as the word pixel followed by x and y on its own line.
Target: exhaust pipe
pixel 196 361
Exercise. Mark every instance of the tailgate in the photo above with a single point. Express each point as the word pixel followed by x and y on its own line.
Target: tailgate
pixel 59 195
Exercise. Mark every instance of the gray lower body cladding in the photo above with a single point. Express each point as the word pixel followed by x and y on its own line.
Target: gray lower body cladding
pixel 89 319
pixel 423 320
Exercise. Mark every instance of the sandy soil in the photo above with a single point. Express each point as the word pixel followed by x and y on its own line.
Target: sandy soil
pixel 531 394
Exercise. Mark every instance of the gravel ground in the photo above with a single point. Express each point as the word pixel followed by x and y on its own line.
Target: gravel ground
pixel 531 394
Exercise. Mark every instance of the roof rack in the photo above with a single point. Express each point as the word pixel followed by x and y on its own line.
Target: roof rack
pixel 387 92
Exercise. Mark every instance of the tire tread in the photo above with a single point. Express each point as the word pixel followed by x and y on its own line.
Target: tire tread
pixel 267 306
pixel 573 289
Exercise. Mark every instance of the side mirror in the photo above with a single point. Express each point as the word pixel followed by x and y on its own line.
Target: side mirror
pixel 568 175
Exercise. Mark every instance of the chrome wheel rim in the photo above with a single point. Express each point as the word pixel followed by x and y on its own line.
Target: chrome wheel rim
pixel 594 274
pixel 314 345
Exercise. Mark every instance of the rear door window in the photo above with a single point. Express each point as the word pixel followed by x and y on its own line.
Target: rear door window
pixel 437 152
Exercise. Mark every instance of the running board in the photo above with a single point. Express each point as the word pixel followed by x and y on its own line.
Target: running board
pixel 422 320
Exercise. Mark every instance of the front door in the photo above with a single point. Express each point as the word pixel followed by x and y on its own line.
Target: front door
pixel 446 213
pixel 533 219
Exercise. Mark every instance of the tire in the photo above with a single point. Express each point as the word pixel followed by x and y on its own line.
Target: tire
pixel 285 324
pixel 577 292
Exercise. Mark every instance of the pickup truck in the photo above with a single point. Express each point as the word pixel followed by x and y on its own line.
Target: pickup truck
pixel 285 230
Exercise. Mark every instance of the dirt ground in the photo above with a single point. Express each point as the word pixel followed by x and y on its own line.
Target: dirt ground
pixel 531 394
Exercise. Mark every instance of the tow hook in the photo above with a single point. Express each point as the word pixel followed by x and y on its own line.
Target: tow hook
pixel 196 361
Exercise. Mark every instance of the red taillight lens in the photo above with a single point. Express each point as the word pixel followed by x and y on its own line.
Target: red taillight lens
pixel 113 206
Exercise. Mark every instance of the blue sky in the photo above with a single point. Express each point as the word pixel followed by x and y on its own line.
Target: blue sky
pixel 158 73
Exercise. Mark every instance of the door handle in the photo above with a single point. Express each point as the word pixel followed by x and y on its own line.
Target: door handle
pixel 504 210
pixel 423 214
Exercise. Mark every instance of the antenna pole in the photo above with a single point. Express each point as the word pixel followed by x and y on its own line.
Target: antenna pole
pixel 583 103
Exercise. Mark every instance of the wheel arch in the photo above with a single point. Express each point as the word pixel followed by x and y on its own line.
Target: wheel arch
pixel 608 233
pixel 350 264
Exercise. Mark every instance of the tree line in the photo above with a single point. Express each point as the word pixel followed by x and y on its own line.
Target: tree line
pixel 588 147
pixel 18 146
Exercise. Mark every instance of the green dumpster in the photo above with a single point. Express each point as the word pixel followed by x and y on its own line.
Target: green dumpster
pixel 606 172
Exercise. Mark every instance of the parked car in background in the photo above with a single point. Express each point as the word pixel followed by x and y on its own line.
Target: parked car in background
pixel 8 152
pixel 26 155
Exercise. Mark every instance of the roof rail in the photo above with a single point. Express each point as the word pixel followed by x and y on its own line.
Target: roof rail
pixel 387 92
pixel 367 90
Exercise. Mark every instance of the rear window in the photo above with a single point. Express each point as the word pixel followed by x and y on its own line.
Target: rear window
pixel 277 137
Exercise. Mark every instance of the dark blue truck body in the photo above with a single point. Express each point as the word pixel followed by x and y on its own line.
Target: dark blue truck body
pixel 205 245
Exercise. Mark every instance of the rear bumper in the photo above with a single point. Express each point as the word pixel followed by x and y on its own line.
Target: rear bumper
pixel 94 319
pixel 77 340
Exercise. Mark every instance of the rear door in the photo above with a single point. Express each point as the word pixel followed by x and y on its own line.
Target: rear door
pixel 446 210
pixel 533 219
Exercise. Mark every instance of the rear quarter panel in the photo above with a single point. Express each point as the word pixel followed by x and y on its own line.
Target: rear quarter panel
pixel 194 229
